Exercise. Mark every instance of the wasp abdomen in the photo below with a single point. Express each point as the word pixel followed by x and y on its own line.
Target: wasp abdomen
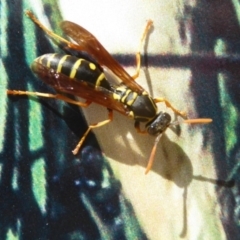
pixel 74 68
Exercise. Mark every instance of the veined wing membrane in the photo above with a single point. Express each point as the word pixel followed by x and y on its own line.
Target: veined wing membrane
pixel 82 89
pixel 87 42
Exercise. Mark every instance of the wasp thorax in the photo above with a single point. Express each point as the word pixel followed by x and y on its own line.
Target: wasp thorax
pixel 159 124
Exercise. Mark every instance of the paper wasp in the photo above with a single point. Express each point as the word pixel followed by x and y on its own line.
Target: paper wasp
pixel 99 82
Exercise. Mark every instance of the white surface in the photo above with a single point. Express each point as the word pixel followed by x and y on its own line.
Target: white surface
pixel 158 197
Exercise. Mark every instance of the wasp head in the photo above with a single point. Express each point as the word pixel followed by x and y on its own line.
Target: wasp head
pixel 159 124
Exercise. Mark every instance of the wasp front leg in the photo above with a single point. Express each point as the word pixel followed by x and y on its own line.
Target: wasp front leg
pixel 137 127
pixel 169 105
pixel 96 125
pixel 49 95
pixel 138 54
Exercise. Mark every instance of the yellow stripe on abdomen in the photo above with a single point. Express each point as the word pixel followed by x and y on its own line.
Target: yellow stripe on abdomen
pixel 62 60
pixel 75 68
pixel 50 59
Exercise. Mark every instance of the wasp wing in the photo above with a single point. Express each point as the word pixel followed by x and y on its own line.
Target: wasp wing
pixel 87 42
pixel 82 89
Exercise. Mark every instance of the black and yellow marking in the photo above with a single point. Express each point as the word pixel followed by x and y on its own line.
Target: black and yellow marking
pixel 125 95
pixel 142 107
pixel 75 68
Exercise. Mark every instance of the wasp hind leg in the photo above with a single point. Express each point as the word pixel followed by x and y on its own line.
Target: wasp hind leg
pixel 138 54
pixel 49 95
pixel 60 41
pixel 90 127
pixel 169 105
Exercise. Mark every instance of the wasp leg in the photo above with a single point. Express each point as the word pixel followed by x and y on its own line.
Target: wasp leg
pixel 138 54
pixel 48 95
pixel 57 38
pixel 137 126
pixel 152 155
pixel 96 125
pixel 169 105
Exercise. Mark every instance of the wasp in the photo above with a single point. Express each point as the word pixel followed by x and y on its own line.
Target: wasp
pixel 103 81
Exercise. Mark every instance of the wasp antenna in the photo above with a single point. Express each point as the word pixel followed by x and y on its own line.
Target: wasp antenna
pixel 152 155
pixel 198 121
